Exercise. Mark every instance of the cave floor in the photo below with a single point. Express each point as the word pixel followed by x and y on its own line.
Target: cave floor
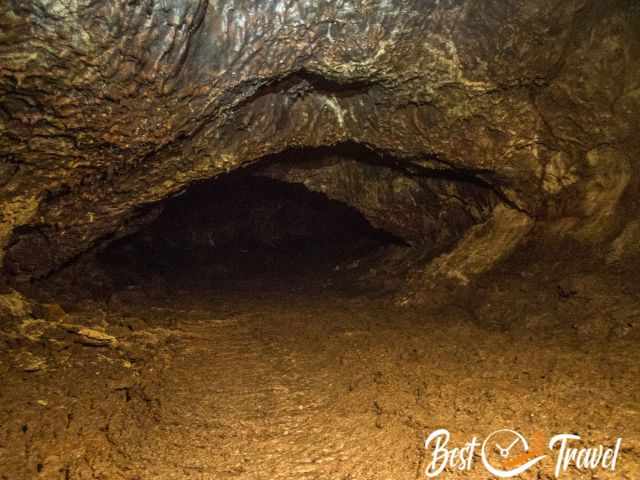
pixel 308 381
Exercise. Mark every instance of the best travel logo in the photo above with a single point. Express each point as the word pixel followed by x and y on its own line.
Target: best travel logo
pixel 507 453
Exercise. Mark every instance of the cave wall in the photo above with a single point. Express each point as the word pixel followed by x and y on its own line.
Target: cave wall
pixel 108 107
pixel 423 208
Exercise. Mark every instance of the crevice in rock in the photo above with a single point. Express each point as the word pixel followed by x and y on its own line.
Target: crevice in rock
pixel 303 82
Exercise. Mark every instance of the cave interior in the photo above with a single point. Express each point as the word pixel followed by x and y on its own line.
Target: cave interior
pixel 273 239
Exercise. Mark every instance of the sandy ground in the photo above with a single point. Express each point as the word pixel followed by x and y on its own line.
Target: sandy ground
pixel 311 381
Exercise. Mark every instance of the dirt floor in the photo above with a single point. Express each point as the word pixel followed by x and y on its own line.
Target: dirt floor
pixel 297 376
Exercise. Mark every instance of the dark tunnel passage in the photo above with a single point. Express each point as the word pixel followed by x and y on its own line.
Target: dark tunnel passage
pixel 325 203
pixel 341 215
pixel 245 229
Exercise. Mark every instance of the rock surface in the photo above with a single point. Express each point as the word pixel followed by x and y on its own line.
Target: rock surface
pixel 482 129
pixel 321 384
pixel 109 107
pixel 422 206
pixel 14 306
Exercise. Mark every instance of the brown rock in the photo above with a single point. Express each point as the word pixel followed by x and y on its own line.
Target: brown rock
pixel 14 306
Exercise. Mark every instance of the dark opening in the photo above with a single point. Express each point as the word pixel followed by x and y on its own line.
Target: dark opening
pixel 239 229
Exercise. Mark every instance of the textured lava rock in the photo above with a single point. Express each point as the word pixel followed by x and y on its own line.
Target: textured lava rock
pixel 109 107
pixel 423 207
pixel 14 306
